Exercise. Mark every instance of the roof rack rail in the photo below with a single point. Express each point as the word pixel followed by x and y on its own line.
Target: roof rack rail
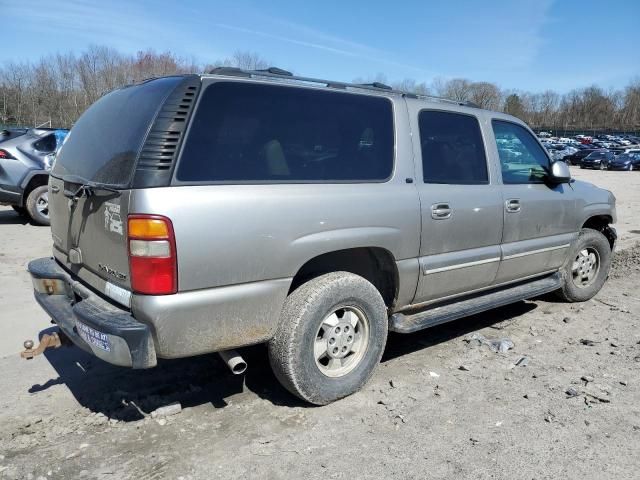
pixel 379 85
pixel 278 73
pixel 275 71
pixel 231 71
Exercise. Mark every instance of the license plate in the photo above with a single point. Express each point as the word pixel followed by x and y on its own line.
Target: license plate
pixel 94 337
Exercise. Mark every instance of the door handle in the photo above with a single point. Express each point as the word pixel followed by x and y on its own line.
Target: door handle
pixel 55 188
pixel 440 211
pixel 513 205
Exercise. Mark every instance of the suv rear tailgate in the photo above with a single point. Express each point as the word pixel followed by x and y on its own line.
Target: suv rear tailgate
pixel 89 237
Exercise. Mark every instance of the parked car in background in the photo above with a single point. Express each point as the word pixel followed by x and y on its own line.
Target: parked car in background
pixel 25 161
pixel 625 161
pixel 562 153
pixel 598 159
pixel 576 158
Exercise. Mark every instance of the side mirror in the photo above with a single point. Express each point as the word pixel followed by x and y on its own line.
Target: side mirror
pixel 560 172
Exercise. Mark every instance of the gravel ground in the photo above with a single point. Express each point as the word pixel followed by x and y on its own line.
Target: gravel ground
pixel 562 403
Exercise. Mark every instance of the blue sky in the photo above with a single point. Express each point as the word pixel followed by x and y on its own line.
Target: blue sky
pixel 519 44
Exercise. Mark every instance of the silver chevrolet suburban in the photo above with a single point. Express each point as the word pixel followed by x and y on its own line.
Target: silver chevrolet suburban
pixel 201 213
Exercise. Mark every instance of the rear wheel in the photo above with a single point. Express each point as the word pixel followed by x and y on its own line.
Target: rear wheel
pixel 587 267
pixel 331 336
pixel 38 205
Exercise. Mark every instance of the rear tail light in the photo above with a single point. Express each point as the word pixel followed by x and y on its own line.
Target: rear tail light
pixel 4 154
pixel 152 255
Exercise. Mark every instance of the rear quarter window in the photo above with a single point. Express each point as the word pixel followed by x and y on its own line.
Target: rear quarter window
pixel 243 133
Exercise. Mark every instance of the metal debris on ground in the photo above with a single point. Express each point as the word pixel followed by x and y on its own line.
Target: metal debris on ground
pixel 501 345
pixel 571 392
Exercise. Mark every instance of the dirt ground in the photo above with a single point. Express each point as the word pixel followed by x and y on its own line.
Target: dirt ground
pixel 563 403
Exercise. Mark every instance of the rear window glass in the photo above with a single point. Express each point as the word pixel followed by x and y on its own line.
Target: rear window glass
pixel 268 133
pixel 103 144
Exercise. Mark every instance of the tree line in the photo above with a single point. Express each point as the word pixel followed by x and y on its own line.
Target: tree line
pixel 56 90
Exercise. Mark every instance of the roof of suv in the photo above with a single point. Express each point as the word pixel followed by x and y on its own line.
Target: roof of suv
pixel 282 76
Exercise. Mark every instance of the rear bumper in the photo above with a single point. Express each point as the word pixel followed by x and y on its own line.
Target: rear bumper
pixel 92 323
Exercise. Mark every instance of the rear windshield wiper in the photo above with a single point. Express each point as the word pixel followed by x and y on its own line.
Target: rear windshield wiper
pixel 86 187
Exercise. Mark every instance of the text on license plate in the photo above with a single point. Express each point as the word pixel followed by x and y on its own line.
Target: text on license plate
pixel 94 337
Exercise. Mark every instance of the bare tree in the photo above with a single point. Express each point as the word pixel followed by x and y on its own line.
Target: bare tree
pixel 486 95
pixel 58 88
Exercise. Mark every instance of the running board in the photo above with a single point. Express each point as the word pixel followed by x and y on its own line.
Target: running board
pixel 403 323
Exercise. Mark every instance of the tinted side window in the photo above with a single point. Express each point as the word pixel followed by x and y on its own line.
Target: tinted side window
pixel 46 144
pixel 521 157
pixel 267 133
pixel 452 149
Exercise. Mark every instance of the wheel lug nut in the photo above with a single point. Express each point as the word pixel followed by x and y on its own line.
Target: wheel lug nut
pixel 332 341
pixel 335 350
pixel 349 338
pixel 337 330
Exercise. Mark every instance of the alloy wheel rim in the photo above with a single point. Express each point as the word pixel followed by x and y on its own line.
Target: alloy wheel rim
pixel 585 267
pixel 341 341
pixel 42 204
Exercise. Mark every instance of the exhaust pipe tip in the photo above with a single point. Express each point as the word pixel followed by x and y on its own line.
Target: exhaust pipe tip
pixel 234 361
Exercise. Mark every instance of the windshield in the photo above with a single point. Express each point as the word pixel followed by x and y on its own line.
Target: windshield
pixel 103 145
pixel 596 155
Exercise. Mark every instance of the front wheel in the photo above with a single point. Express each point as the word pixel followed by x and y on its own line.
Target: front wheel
pixel 331 337
pixel 587 267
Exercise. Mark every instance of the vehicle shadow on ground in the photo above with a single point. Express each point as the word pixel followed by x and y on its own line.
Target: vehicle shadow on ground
pixel 9 217
pixel 401 344
pixel 128 395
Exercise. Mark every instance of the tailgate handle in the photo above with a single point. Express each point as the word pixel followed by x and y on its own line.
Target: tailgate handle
pixel 55 188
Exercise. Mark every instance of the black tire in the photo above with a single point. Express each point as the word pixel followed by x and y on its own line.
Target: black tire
pixel 582 167
pixel 20 210
pixel 36 196
pixel 291 350
pixel 587 239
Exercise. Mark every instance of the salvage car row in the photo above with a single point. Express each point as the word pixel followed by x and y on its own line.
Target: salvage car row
pixel 600 153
